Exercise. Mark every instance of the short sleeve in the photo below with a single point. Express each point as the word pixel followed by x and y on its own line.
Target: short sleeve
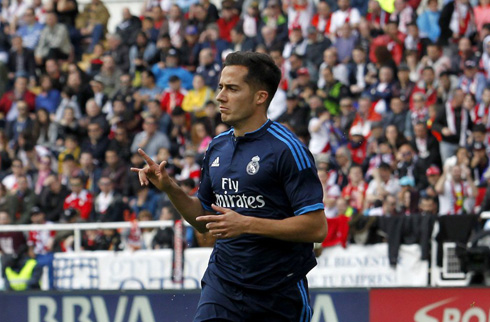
pixel 301 182
pixel 205 192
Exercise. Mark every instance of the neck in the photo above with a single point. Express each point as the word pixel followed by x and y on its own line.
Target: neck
pixel 250 125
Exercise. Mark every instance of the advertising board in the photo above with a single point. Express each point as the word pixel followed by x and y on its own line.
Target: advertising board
pixel 152 306
pixel 430 305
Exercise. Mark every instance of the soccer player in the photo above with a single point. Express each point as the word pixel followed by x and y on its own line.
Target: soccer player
pixel 260 196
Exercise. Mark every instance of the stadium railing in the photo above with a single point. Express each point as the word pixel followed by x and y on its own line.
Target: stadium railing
pixel 79 227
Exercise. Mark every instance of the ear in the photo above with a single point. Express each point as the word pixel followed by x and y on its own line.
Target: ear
pixel 261 97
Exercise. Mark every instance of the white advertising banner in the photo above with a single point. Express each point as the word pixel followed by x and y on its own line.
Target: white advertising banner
pixel 355 266
pixel 368 266
pixel 107 270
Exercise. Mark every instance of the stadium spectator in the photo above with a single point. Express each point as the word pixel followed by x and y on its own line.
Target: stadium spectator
pixel 150 138
pixel 11 242
pixel 276 22
pixel 208 68
pixel 52 197
pixel 195 99
pixel 43 171
pixel 77 92
pixel 355 191
pixel 79 198
pixel 452 121
pixel 22 273
pixel 174 95
pixel 330 59
pixel 30 29
pixel 456 191
pixel 54 41
pixel 344 14
pixel 472 81
pixel 18 123
pixel 296 44
pixel 322 19
pixel 174 25
pixel 40 242
pixel 148 91
pixel 457 20
pixel 90 171
pixel 382 184
pixel 20 92
pixel 428 21
pixel 128 28
pixel 240 42
pixel 147 235
pixel 10 181
pixel 426 145
pixel 108 204
pixel 392 40
pixel 189 169
pixel 148 28
pixel 116 170
pixel 140 53
pixel 119 51
pixel 109 75
pixel 96 142
pixel 92 22
pixel 164 70
pixel 121 143
pixel 228 20
pixel 49 98
pixel 64 240
pixel 13 12
pixel 145 199
pixel 21 60
pixel 164 237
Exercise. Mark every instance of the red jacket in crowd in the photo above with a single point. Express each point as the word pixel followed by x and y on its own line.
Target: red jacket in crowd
pixel 83 202
pixel 9 97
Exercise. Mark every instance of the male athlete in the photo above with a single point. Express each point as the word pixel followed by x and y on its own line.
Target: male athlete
pixel 260 196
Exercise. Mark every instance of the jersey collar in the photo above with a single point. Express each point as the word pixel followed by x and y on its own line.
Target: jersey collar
pixel 259 132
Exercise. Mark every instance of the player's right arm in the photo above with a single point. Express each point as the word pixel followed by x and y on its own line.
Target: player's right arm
pixel 189 207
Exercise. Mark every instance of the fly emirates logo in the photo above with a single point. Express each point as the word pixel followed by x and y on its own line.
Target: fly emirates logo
pixel 232 199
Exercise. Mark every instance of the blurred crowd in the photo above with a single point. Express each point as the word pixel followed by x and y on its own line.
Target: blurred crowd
pixel 392 97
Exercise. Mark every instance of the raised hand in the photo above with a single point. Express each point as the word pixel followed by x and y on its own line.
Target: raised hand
pixel 153 172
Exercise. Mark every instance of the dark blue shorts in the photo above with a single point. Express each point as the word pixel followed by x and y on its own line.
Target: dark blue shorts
pixel 222 301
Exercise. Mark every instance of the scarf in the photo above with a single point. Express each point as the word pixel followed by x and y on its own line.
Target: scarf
pixel 478 112
pixel 451 123
pixel 458 198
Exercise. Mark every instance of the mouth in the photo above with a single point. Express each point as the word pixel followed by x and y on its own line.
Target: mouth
pixel 222 109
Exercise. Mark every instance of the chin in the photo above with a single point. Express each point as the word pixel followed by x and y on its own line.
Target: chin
pixel 226 119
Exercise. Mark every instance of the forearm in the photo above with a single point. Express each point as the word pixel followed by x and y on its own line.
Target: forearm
pixel 439 187
pixel 306 228
pixel 189 207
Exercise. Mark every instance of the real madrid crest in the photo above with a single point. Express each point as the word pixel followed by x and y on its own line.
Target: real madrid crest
pixel 253 166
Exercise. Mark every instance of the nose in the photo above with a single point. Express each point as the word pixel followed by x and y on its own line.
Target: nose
pixel 220 96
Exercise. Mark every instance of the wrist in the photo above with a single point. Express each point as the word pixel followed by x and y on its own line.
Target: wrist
pixel 247 227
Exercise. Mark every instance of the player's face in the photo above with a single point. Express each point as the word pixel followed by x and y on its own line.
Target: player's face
pixel 235 97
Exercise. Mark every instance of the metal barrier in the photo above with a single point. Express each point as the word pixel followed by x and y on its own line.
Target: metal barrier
pixel 78 227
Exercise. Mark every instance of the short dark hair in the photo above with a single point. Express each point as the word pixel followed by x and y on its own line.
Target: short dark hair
pixel 262 71
pixel 149 73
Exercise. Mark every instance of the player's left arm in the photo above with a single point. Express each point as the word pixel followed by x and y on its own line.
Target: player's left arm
pixel 310 227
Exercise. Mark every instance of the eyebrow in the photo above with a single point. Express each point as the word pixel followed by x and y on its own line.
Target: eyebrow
pixel 228 85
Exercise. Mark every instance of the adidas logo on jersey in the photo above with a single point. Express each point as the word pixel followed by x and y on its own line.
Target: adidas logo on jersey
pixel 215 162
